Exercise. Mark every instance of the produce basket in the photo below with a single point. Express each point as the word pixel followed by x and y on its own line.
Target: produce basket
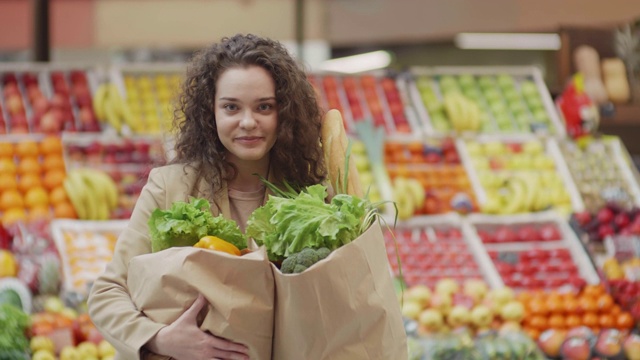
pixel 496 164
pixel 436 247
pixel 494 100
pixel 50 98
pixel 378 97
pixel 533 251
pixel 85 248
pixel 602 171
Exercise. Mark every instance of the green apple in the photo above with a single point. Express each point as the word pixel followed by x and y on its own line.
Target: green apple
pixel 475 289
pixel 494 147
pixel 543 162
pixel 420 294
pixel 529 88
pixel 541 116
pixel 517 107
pixel 474 149
pixel 486 82
pixel 431 320
pixel 423 82
pixel 53 304
pixel 87 349
pixel 447 286
pixel 512 95
pixel 459 316
pixel 501 296
pixel 411 309
pixel 493 95
pixel 481 316
pixel 505 81
pixel 467 81
pixel 498 108
pixel 512 311
pixel 534 102
pixel 480 163
pixel 533 147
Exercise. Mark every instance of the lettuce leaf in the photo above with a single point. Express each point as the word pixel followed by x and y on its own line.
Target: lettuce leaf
pixel 186 222
pixel 286 225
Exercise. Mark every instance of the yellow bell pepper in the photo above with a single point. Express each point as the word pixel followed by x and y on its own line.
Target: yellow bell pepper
pixel 8 265
pixel 215 243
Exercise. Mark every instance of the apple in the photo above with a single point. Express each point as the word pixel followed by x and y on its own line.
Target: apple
pixel 51 122
pixel 441 302
pixel 458 316
pixel 609 344
pixel 504 234
pixel 512 311
pixel 528 233
pixel 431 320
pixel 605 215
pixel 105 349
pixel 550 342
pixel 575 348
pixel 14 104
pixel 475 289
pixel 631 346
pixel 420 294
pixel 447 287
pixel 550 232
pixel 481 316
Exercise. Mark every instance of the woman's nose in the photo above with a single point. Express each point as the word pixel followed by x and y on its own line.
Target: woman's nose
pixel 248 121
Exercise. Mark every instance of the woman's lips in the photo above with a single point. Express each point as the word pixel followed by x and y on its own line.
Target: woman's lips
pixel 248 140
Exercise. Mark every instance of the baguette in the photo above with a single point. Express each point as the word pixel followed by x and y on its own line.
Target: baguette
pixel 334 145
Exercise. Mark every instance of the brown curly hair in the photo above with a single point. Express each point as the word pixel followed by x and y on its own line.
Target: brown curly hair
pixel 297 154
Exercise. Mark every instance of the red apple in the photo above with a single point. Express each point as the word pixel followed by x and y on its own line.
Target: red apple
pixel 505 234
pixel 528 233
pixel 14 104
pixel 11 89
pixel 583 217
pixel 550 232
pixel 605 215
pixel 621 220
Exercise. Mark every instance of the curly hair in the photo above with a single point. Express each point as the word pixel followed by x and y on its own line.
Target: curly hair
pixel 297 154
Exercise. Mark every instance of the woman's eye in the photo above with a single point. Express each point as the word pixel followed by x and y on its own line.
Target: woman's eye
pixel 265 107
pixel 230 107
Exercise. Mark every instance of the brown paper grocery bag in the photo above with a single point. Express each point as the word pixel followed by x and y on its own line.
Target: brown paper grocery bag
pixel 240 291
pixel 343 307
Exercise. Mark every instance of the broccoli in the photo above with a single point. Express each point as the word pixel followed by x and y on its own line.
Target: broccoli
pixel 299 262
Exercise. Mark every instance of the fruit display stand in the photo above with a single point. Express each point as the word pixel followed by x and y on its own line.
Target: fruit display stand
pixel 519 174
pixel 47 98
pixel 432 248
pixel 147 91
pixel 427 177
pixel 377 97
pixel 534 251
pixel 457 100
pixel 85 248
pixel 127 161
pixel 602 171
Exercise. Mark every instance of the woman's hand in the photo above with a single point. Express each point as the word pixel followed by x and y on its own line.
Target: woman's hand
pixel 183 339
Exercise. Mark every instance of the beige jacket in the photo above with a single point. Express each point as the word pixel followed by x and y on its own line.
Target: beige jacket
pixel 110 304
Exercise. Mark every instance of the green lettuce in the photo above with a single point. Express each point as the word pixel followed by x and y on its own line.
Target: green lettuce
pixel 186 222
pixel 288 224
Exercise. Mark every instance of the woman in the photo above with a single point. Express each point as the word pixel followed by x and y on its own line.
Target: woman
pixel 246 108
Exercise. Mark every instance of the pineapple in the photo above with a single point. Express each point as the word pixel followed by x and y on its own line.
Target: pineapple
pixel 48 282
pixel 627 47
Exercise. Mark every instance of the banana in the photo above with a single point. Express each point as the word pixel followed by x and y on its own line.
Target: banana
pixel 99 99
pixel 403 199
pixel 106 184
pixel 418 193
pixel 515 197
pixel 111 114
pixel 77 192
pixel 102 191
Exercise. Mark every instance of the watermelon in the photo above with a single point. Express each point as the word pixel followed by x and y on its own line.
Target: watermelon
pixel 14 292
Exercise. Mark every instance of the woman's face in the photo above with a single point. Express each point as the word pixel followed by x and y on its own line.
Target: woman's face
pixel 246 113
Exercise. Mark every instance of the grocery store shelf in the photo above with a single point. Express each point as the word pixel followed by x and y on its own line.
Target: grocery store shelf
pixel 625 123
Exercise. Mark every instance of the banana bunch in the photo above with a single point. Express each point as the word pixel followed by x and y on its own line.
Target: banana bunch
pixel 92 192
pixel 464 114
pixel 111 109
pixel 409 196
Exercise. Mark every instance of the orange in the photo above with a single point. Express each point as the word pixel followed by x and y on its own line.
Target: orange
pixel 538 322
pixel 58 195
pixel 53 178
pixel 6 150
pixel 8 182
pixel 615 309
pixel 587 304
pixel 556 321
pixel 13 215
pixel 533 333
pixel 537 306
pixel 606 321
pixel 53 162
pixel 29 165
pixel 590 319
pixel 28 181
pixel 605 303
pixel 11 199
pixel 27 149
pixel 35 197
pixel 7 166
pixel 593 290
pixel 624 321
pixel 39 213
pixel 64 210
pixel 51 145
pixel 572 321
pixel 571 306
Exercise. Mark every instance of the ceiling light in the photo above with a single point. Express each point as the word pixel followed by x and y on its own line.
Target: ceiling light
pixel 508 41
pixel 358 63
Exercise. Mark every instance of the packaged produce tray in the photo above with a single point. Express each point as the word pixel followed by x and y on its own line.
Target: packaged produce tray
pixel 492 161
pixel 534 251
pixel 48 98
pixel 437 247
pixel 149 90
pixel 602 171
pixel 85 248
pixel 378 97
pixel 495 99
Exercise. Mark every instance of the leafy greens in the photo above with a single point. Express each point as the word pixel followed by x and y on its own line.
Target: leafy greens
pixel 186 222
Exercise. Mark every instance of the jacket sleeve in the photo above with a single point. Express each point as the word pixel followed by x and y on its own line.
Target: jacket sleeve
pixel 110 305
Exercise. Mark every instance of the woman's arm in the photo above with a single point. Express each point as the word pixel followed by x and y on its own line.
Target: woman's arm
pixel 110 304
